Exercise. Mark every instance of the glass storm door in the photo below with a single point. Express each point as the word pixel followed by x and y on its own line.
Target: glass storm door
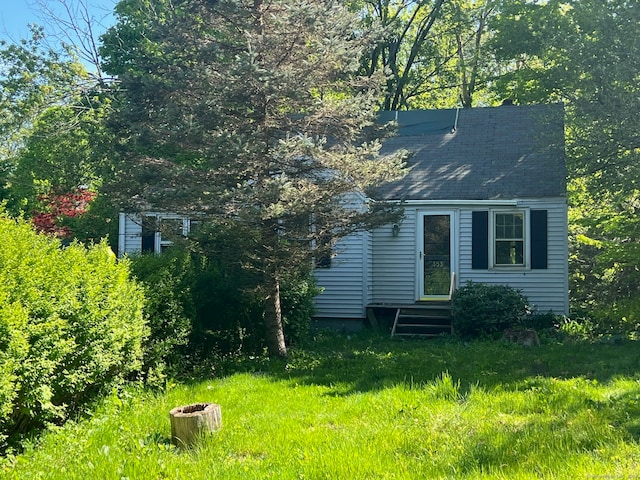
pixel 436 259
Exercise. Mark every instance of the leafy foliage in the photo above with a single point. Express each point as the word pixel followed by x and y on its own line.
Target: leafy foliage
pixel 202 305
pixel 169 309
pixel 33 78
pixel 54 141
pixel 60 170
pixel 253 114
pixel 60 207
pixel 586 54
pixel 433 51
pixel 298 292
pixel 71 323
pixel 225 109
pixel 229 295
pixel 480 309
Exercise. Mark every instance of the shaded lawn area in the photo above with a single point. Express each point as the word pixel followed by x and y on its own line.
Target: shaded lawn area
pixel 367 362
pixel 370 407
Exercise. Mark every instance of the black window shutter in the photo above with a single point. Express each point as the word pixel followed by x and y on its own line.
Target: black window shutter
pixel 538 220
pixel 480 240
pixel 148 238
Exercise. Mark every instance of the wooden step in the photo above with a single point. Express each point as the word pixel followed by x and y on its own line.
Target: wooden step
pixel 422 329
pixel 424 319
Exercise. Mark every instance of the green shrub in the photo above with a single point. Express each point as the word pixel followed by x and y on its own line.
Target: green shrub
pixel 169 308
pixel 543 321
pixel 199 306
pixel 196 306
pixel 229 298
pixel 70 325
pixel 230 308
pixel 621 317
pixel 485 310
pixel 581 329
pixel 298 307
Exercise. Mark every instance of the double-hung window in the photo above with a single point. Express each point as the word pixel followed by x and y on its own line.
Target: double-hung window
pixel 509 238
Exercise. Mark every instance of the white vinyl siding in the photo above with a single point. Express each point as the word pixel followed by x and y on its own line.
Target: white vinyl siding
pixel 367 263
pixel 394 262
pixel 345 284
pixel 129 235
pixel 131 232
pixel 395 258
pixel 379 267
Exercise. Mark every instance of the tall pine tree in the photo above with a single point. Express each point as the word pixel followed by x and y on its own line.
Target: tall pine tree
pixel 251 113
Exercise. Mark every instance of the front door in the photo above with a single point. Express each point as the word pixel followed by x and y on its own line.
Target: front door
pixel 436 255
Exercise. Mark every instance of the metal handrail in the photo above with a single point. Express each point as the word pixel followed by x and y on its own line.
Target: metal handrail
pixel 452 286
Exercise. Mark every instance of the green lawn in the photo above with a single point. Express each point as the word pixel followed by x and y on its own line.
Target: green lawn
pixel 373 408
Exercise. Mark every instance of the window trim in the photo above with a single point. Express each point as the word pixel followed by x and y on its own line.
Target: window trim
pixel 526 253
pixel 160 243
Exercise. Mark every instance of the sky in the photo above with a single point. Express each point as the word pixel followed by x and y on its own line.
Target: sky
pixel 15 15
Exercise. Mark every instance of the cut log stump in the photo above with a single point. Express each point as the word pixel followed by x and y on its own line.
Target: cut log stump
pixel 191 421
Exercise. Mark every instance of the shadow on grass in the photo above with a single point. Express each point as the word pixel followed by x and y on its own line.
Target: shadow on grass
pixel 368 362
pixel 365 363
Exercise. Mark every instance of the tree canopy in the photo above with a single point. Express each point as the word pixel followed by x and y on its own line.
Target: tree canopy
pixel 586 53
pixel 431 51
pixel 253 113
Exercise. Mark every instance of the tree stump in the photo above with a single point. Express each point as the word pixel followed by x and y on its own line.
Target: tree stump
pixel 191 421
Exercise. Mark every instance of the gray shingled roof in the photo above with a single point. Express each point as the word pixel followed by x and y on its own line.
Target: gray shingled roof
pixel 479 153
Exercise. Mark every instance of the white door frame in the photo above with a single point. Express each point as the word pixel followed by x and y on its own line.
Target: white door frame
pixel 453 239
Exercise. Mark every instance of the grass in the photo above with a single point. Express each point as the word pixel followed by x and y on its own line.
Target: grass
pixel 369 408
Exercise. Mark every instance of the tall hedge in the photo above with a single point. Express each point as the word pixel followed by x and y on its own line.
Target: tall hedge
pixel 169 309
pixel 71 325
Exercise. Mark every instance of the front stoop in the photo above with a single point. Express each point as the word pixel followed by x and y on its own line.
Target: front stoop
pixel 427 319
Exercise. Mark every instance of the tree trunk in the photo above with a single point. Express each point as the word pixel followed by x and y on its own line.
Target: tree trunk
pixel 273 321
pixel 191 421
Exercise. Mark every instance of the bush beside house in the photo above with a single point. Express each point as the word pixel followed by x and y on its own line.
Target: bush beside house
pixel 199 306
pixel 481 310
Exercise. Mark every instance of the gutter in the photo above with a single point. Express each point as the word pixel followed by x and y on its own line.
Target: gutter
pixel 508 203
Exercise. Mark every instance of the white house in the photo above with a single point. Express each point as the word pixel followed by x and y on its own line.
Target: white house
pixel 143 233
pixel 484 200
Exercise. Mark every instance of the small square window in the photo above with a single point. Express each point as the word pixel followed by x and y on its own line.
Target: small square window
pixel 159 231
pixel 323 252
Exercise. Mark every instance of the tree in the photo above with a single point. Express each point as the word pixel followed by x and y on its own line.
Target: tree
pixel 56 175
pixel 32 79
pixel 68 205
pixel 532 43
pixel 431 50
pixel 473 66
pixel 251 113
pixel 586 53
pixel 605 148
pixel 53 144
pixel 48 69
pixel 407 26
pixel 76 27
